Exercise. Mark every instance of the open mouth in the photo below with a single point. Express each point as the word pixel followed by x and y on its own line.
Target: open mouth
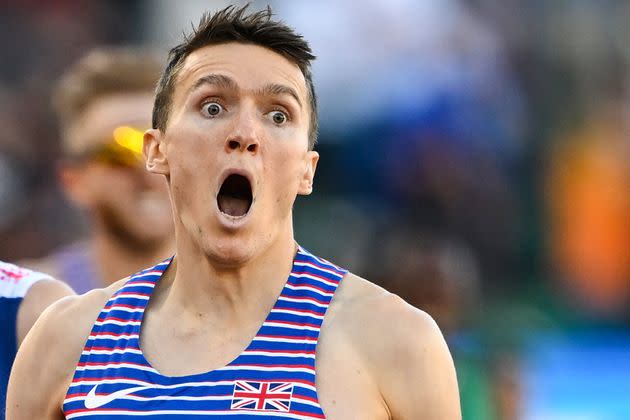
pixel 235 196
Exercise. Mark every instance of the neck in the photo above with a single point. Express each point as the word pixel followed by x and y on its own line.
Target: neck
pixel 199 285
pixel 116 260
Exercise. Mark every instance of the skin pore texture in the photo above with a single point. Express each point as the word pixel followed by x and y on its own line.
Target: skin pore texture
pixel 377 357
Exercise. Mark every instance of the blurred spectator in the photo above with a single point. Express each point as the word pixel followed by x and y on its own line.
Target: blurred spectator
pixel 37 41
pixel 433 273
pixel 104 102
pixel 441 276
pixel 588 197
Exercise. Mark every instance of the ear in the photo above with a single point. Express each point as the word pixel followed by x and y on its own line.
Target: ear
pixel 153 149
pixel 310 165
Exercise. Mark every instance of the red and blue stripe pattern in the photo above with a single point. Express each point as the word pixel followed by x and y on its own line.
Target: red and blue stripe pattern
pixel 273 378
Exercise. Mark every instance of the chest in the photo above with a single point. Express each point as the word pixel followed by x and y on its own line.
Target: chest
pixel 176 349
pixel 343 386
pixel 161 364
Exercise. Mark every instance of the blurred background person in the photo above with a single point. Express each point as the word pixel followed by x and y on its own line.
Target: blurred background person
pixel 588 202
pixel 104 103
pixel 24 295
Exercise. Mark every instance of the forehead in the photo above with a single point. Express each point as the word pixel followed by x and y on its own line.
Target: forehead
pixel 98 120
pixel 250 66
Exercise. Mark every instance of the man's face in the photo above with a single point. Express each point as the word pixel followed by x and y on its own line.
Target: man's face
pixel 235 149
pixel 121 196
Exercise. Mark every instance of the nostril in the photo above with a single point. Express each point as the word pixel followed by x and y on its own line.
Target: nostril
pixel 251 148
pixel 233 144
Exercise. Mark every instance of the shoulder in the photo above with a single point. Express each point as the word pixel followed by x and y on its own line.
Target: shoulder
pixel 38 297
pixel 56 342
pixel 72 317
pixel 404 347
pixel 361 303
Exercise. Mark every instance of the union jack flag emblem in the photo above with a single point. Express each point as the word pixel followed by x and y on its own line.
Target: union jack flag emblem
pixel 262 396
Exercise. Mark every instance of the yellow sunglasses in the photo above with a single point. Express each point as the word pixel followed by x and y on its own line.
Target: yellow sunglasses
pixel 124 149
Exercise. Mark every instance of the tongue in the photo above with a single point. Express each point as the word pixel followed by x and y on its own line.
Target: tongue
pixel 233 206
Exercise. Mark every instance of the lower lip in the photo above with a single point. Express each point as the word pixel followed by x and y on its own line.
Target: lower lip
pixel 233 222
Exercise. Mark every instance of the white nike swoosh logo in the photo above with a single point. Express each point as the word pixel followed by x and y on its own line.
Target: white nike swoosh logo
pixel 95 401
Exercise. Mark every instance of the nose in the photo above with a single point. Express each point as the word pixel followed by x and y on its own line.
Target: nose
pixel 242 144
pixel 244 136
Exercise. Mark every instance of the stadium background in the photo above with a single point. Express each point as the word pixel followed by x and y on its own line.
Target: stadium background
pixel 474 160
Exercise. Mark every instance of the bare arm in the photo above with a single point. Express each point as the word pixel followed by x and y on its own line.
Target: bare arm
pixel 408 358
pixel 403 351
pixel 39 297
pixel 423 383
pixel 47 358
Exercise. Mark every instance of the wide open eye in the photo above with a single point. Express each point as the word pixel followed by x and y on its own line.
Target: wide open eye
pixel 211 109
pixel 278 117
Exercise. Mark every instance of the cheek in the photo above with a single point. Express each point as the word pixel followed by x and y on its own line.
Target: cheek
pixel 191 184
pixel 99 183
pixel 121 182
pixel 190 176
pixel 120 192
pixel 284 173
pixel 178 197
pixel 191 153
pixel 292 163
pixel 156 183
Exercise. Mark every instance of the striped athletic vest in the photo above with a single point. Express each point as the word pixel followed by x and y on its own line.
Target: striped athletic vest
pixel 273 378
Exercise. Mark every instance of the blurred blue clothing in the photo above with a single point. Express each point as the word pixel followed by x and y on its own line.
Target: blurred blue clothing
pixel 15 283
pixel 75 265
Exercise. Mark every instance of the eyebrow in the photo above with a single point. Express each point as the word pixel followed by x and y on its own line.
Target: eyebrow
pixel 215 80
pixel 226 82
pixel 277 90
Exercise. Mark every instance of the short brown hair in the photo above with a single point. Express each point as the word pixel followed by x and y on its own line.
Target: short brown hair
pixel 233 25
pixel 101 72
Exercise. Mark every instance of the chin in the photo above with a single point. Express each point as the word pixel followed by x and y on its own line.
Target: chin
pixel 231 251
